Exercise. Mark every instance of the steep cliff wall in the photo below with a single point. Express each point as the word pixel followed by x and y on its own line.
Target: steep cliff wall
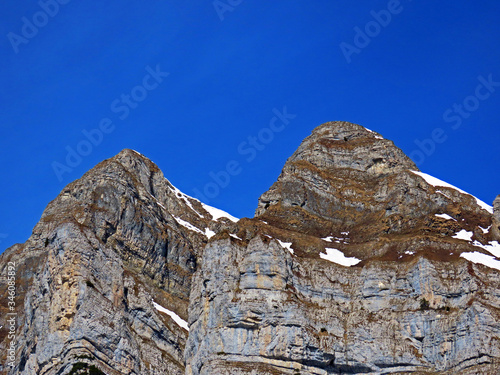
pixel 111 249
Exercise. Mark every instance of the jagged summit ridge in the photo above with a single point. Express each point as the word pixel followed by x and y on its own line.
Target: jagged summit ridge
pixel 337 145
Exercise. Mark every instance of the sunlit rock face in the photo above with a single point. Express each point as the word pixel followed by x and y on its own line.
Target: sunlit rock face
pixel 355 263
pixel 496 218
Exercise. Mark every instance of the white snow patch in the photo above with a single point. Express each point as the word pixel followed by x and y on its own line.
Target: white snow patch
pixel 481 258
pixel 344 240
pixel 485 230
pixel 445 216
pixel 442 193
pixel 161 205
pixel 286 245
pixel 180 322
pixel 185 198
pixel 235 236
pixel 437 182
pixel 409 252
pixel 464 235
pixel 188 225
pixel 337 256
pixel 209 233
pixel 217 214
pixel 493 247
pixel 376 135
pixel 156 199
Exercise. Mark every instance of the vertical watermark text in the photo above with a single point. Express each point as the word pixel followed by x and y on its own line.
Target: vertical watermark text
pixel 11 318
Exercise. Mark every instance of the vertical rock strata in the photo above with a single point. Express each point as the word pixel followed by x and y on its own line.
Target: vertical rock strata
pixel 266 312
pixel 355 263
pixel 496 219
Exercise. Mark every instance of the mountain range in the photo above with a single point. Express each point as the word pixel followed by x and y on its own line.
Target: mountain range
pixel 355 262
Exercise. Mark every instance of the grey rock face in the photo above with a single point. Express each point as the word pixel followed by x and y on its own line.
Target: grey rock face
pixel 256 308
pixel 496 219
pixel 120 258
pixel 109 246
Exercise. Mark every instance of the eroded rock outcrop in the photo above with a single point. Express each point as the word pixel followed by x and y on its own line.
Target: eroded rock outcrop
pixel 496 219
pixel 269 312
pixel 344 177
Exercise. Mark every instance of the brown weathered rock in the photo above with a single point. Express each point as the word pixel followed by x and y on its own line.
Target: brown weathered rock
pixel 496 219
pixel 411 306
pixel 345 178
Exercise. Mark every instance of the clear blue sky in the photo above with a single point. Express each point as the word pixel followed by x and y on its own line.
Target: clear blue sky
pixel 423 66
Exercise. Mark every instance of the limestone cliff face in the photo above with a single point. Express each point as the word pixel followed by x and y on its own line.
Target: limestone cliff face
pixel 268 312
pixel 106 250
pixel 355 263
pixel 496 218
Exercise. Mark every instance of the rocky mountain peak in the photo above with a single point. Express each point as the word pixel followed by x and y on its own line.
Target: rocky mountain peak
pixel 343 145
pixel 109 252
pixel 344 178
pixel 340 168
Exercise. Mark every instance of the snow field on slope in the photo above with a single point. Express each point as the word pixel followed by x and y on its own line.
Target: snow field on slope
pixel 436 182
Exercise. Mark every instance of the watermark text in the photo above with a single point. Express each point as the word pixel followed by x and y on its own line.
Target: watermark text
pixel 455 116
pixel 223 6
pixel 32 25
pixel 121 107
pixel 11 320
pixel 364 36
pixel 249 149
